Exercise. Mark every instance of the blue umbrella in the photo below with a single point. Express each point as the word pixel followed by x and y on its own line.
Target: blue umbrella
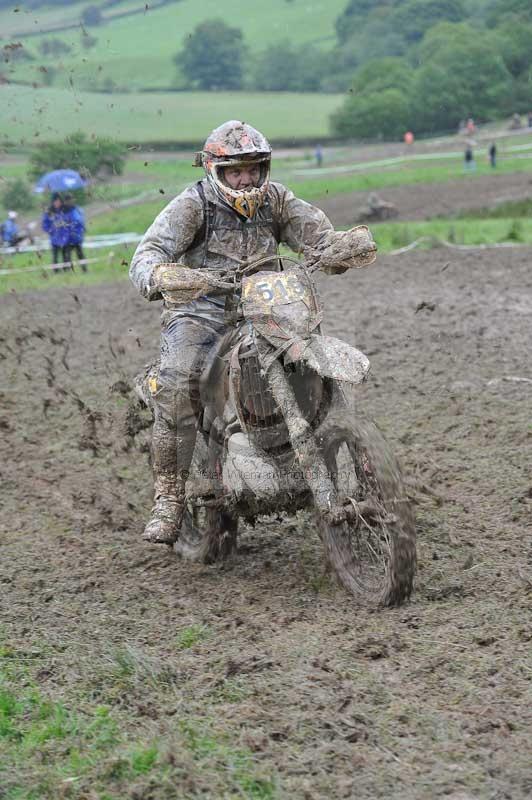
pixel 60 180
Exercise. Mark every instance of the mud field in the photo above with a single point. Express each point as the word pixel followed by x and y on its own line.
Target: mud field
pixel 265 655
pixel 427 200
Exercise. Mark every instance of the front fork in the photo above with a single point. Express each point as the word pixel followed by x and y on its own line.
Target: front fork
pixel 303 442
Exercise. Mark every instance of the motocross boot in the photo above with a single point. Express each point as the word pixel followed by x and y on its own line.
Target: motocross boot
pixel 167 513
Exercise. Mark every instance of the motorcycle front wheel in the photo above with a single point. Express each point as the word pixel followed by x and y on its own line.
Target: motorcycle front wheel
pixel 374 553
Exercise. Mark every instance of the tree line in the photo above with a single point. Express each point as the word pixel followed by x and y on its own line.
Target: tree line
pixel 215 57
pixel 428 64
pixel 420 64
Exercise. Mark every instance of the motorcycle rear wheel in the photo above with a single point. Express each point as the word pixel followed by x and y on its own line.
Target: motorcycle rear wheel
pixel 374 554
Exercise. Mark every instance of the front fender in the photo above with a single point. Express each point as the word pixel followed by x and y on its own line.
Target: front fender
pixel 330 358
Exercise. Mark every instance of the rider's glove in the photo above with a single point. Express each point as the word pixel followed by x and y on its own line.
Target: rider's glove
pixel 176 277
pixel 177 283
pixel 344 250
pixel 180 284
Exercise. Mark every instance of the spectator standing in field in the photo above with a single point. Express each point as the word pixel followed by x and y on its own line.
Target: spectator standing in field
pixel 319 155
pixel 11 235
pixel 55 224
pixel 470 126
pixel 469 159
pixel 492 152
pixel 76 231
pixel 529 119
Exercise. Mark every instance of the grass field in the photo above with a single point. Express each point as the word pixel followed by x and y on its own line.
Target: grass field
pixel 20 21
pixel 153 175
pixel 462 231
pixel 33 115
pixel 157 178
pixel 408 174
pixel 112 264
pixel 172 175
pixel 29 20
pixel 125 51
pixel 165 179
pixel 46 744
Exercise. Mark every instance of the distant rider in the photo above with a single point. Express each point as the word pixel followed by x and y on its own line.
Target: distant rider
pixel 233 216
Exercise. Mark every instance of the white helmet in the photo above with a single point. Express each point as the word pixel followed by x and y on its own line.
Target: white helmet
pixel 231 144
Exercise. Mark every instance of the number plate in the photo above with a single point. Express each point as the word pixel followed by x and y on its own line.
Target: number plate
pixel 268 289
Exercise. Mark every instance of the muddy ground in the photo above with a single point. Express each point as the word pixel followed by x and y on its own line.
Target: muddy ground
pixel 427 200
pixel 431 700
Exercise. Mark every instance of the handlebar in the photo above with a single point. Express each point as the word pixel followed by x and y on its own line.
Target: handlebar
pixel 188 283
pixel 344 250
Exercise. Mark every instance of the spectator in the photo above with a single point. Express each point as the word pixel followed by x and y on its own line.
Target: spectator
pixel 529 119
pixel 11 235
pixel 76 231
pixel 469 159
pixel 319 155
pixel 492 152
pixel 55 224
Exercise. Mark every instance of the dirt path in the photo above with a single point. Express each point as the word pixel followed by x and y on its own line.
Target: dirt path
pixel 326 700
pixel 425 201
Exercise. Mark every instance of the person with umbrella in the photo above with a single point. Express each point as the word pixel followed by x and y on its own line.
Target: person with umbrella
pixel 55 222
pixel 76 230
pixel 64 228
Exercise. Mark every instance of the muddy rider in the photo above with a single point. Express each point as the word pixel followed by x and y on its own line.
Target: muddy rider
pixel 231 217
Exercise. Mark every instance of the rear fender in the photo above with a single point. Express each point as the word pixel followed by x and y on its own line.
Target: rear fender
pixel 330 358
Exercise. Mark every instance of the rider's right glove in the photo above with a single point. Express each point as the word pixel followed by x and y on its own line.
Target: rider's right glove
pixel 180 284
pixel 177 283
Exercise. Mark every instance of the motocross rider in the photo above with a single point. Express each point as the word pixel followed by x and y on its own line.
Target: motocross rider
pixel 233 216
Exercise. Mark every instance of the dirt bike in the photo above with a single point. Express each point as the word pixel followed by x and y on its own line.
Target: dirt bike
pixel 278 432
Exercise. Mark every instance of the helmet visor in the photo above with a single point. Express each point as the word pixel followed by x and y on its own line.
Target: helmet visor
pixel 263 164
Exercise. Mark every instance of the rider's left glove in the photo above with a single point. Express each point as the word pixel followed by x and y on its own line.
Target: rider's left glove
pixel 345 250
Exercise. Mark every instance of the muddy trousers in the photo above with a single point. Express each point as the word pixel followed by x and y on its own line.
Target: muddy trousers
pixel 187 336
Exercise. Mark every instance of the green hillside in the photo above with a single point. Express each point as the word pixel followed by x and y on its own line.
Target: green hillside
pixel 33 115
pixel 14 24
pixel 136 52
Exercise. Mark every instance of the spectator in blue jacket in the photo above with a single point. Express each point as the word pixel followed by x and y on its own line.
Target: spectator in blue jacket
pixel 76 230
pixel 55 224
pixel 11 235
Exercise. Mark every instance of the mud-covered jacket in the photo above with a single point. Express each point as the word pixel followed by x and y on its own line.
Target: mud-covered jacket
pixel 202 231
